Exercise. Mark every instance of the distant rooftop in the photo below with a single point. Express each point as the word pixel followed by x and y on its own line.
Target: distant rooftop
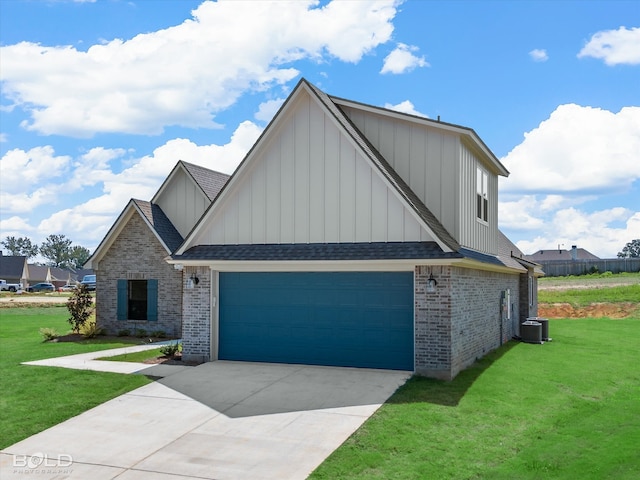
pixel 559 255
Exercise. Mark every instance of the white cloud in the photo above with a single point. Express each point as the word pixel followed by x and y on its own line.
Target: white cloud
pixel 4 137
pixel 185 74
pixel 594 231
pixel 88 222
pixel 20 169
pixel 539 55
pixel 405 107
pixel 268 109
pixel 402 60
pixel 578 150
pixel 571 161
pixel 615 47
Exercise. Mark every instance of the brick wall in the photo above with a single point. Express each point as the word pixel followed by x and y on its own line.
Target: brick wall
pixel 462 321
pixel 137 254
pixel 432 322
pixel 196 315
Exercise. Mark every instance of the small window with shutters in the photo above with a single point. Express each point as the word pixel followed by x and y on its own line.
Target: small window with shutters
pixel 137 299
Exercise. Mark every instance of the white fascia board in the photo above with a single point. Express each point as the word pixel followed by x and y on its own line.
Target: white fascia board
pixel 407 265
pixel 338 265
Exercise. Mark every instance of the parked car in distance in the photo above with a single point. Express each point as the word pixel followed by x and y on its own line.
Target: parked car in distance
pixel 89 281
pixel 69 287
pixel 9 287
pixel 41 287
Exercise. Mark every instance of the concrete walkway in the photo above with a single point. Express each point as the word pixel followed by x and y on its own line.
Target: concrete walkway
pixel 87 361
pixel 220 420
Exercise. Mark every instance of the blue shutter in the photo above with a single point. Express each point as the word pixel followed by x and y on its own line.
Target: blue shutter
pixel 152 300
pixel 122 300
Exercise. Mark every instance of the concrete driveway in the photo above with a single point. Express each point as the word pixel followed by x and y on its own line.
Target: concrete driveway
pixel 220 420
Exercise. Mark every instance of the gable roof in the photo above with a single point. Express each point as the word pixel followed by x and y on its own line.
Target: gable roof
pixel 209 181
pixel 12 266
pixel 557 255
pixel 162 226
pixel 411 201
pixel 39 273
pixel 153 217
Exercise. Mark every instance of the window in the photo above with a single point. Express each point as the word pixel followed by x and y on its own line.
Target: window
pixel 482 195
pixel 138 300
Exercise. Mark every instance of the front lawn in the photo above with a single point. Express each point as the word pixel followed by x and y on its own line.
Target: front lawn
pixel 34 398
pixel 567 409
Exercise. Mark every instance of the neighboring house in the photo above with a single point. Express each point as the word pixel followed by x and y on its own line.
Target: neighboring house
pixel 136 289
pixel 350 235
pixel 559 255
pixel 60 276
pixel 38 274
pixel 78 274
pixel 14 269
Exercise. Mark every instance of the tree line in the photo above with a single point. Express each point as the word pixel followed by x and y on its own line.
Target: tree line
pixel 57 249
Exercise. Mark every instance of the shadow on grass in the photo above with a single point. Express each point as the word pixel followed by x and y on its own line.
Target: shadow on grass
pixel 441 392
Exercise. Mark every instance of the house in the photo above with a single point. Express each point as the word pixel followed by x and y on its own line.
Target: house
pixel 136 289
pixel 13 269
pixel 38 274
pixel 559 255
pixel 350 235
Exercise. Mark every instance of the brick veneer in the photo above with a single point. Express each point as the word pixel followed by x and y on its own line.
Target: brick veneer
pixel 136 252
pixel 196 315
pixel 462 320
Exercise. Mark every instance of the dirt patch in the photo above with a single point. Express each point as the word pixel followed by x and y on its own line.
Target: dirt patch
pixel 566 310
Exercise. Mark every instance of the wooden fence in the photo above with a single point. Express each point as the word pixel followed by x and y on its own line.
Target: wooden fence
pixel 581 267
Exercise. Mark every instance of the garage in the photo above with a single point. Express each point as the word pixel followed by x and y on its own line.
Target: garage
pixel 351 319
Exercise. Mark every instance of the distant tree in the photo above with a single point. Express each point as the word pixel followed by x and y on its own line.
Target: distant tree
pixel 78 256
pixel 631 249
pixel 56 249
pixel 21 246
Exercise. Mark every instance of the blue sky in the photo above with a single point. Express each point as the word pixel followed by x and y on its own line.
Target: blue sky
pixel 101 98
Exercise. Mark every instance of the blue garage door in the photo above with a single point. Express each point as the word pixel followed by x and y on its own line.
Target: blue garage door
pixel 355 319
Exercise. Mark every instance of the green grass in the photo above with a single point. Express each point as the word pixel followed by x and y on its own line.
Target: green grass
pixel 587 296
pixel 135 357
pixel 34 398
pixel 599 279
pixel 563 410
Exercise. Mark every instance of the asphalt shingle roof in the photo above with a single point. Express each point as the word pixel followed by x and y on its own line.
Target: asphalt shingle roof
pixel 210 181
pixel 11 266
pixel 318 251
pixel 161 224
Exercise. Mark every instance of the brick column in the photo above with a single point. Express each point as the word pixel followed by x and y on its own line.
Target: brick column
pixel 196 316
pixel 433 322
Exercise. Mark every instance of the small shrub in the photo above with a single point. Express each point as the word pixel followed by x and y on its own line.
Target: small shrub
pixel 80 306
pixel 125 332
pixel 90 329
pixel 171 349
pixel 141 332
pixel 159 334
pixel 49 334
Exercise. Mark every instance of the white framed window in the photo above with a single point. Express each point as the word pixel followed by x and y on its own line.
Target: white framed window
pixel 482 195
